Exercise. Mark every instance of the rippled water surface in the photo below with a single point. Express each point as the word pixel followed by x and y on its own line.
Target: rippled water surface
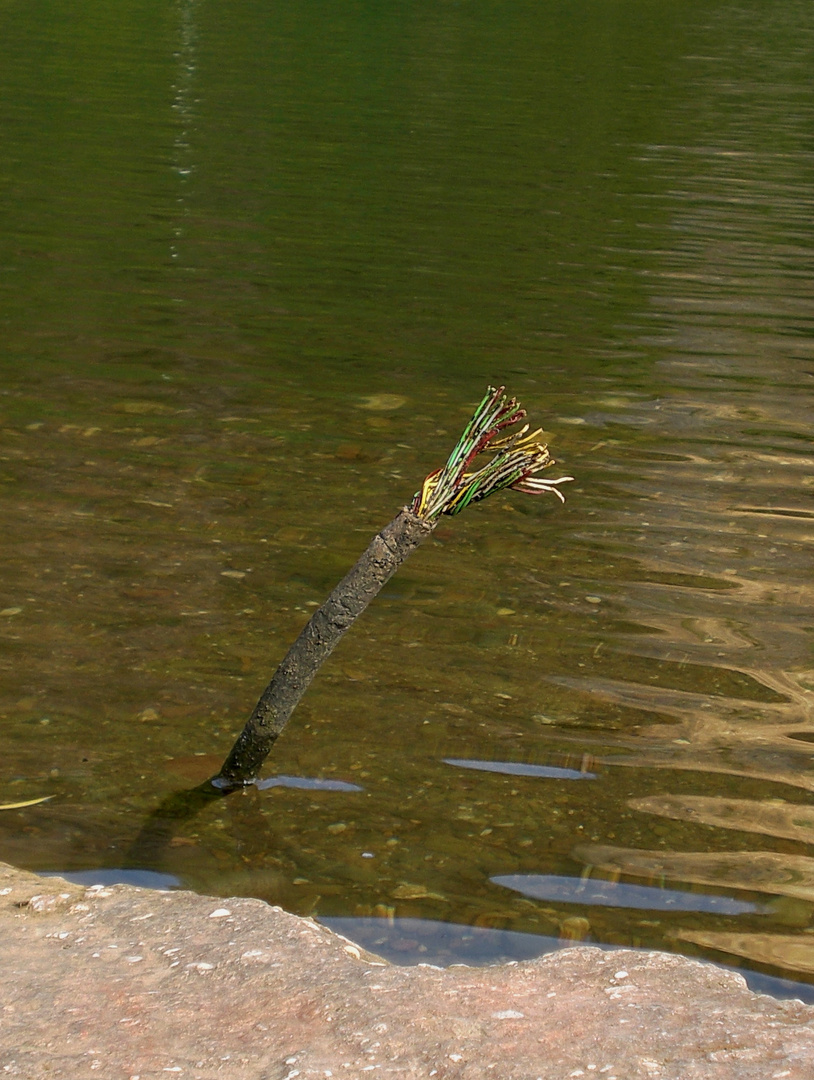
pixel 256 268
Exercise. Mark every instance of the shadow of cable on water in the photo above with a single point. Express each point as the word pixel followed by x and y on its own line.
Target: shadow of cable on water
pixel 148 849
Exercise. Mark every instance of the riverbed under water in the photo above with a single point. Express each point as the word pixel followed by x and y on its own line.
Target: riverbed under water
pixel 256 268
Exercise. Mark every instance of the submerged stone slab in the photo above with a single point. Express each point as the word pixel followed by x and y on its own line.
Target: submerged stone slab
pixel 131 984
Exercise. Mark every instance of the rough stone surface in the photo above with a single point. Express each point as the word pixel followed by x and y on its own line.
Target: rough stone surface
pixel 132 984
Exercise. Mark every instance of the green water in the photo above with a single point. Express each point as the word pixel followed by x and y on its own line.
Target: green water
pixel 256 267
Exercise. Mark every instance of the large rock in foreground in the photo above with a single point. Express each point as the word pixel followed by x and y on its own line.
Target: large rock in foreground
pixel 134 985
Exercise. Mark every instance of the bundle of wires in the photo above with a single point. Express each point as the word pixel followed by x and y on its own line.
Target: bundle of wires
pixel 516 459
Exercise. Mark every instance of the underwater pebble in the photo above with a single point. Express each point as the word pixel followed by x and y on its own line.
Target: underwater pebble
pixel 575 928
pixel 382 402
pixel 414 892
pixel 136 407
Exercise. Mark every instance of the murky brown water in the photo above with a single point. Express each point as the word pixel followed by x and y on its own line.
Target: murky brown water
pixel 254 279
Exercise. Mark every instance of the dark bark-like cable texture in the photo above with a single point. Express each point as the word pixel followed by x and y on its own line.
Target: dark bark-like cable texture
pixel 514 461
pixel 384 555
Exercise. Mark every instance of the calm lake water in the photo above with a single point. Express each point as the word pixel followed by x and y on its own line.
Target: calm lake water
pixel 256 267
